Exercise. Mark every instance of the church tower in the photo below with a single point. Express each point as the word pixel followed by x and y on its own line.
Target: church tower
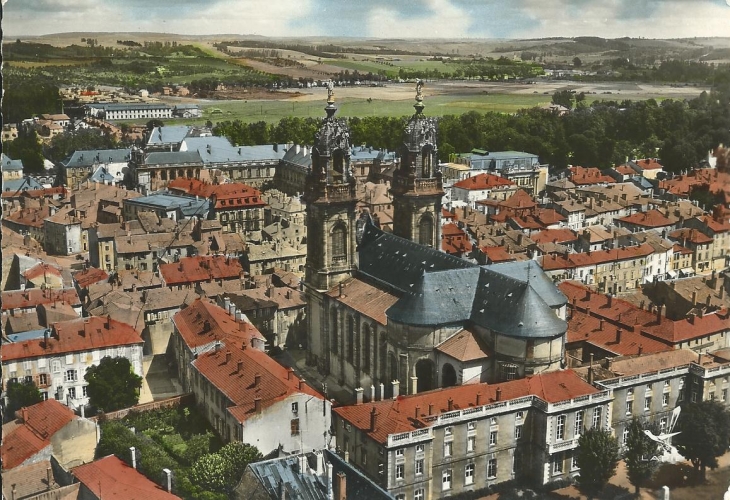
pixel 331 201
pixel 417 187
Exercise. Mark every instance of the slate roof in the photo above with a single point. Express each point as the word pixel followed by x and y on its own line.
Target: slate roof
pixel 24 184
pixel 91 157
pixel 187 205
pixel 27 436
pixel 434 288
pixel 9 165
pixel 173 158
pixel 116 479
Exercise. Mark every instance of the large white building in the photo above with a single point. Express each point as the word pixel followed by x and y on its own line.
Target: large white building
pixel 134 111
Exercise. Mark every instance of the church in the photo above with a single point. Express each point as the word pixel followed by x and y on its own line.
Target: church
pixel 389 313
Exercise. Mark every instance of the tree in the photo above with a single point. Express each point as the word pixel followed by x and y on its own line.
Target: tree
pixel 20 395
pixel 597 459
pixel 26 147
pixel 639 451
pixel 154 123
pixel 112 384
pixel 577 62
pixel 221 472
pixel 704 429
pixel 563 98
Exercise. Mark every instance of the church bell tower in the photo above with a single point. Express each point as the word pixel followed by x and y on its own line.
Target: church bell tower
pixel 417 188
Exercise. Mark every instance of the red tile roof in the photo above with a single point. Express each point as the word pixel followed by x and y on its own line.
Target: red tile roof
pixel 465 346
pixel 625 170
pixel 115 479
pixel 29 216
pixel 89 276
pixel 584 328
pixel 716 224
pixel 25 299
pixel 224 196
pixel 396 416
pixel 202 268
pixel 691 235
pixel 76 335
pixel 648 219
pixel 365 298
pixel 483 181
pixel 553 262
pixel 203 322
pixel 446 215
pixel 454 240
pixel 498 254
pixel 648 164
pixel 234 372
pixel 520 200
pixel 581 176
pixel 694 327
pixel 33 431
pixel 680 249
pixel 41 269
pixel 554 236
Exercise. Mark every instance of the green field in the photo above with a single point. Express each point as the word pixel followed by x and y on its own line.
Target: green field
pixel 391 69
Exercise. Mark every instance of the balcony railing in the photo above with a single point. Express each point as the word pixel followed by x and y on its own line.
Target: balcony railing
pixel 411 437
pixel 562 445
pixel 646 377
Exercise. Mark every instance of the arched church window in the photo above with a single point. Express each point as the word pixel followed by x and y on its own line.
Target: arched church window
pixel 339 243
pixel 338 164
pixel 425 231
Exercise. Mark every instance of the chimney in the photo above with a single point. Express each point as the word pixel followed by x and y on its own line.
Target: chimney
pixel 659 314
pixel 108 324
pixel 168 476
pixel 618 335
pixel 239 366
pixel 694 298
pixel 600 324
pixel 499 394
pixel 228 357
pixel 133 454
pixel 417 412
pixel 341 289
pixel 709 299
pixel 396 388
pixel 257 380
pixel 49 477
pixel 451 404
pixel 414 385
pixel 479 399
pixel 610 300
pixel 289 373
pixel 382 391
pixel 430 409
pixel 330 495
pixel 301 384
pixel 358 395
pixel 641 349
pixel 373 419
pixel 372 392
pixel 341 483
pixel 257 405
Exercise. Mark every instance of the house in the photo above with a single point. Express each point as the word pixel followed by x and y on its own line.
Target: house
pixel 188 271
pixel 111 477
pixel 648 168
pixel 699 243
pixel 20 301
pixel 48 429
pixel 691 295
pixel 717 227
pixel 82 164
pixel 645 221
pixel 264 257
pixel 35 481
pixel 523 169
pixel 58 361
pixel 454 241
pixel 166 205
pixel 310 476
pixel 12 169
pixel 480 187
pixel 582 176
pixel 469 437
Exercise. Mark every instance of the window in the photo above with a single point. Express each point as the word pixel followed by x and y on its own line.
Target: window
pixel 574 463
pixel 71 376
pixel 629 407
pixel 560 428
pixel 630 391
pixel 666 383
pixel 448 448
pixel 578 423
pixel 493 438
pixel 419 467
pixel 471 426
pixel 419 448
pixel 518 432
pixel 295 407
pixel 419 494
pixel 680 395
pixel 85 391
pixel 665 399
pixel 448 431
pixel 56 366
pixel 493 421
pixel 425 231
pixel 399 471
pixel 516 462
pixel 663 424
pixel 295 427
pixel 492 468
pixel 520 415
pixel 339 243
pixel 69 359
pixel 469 474
pixel 694 396
pixel 400 496
pixel 363 456
pixel 724 395
pixel 446 480
pixel 647 403
pixel 712 395
pixel 400 452
pixel 625 436
pixel 72 392
pixel 558 463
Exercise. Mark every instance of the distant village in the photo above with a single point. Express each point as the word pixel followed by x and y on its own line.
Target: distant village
pixel 377 323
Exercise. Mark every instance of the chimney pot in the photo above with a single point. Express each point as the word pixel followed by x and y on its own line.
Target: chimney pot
pixel 373 419
pixel 358 395
pixel 257 405
pixel 257 380
pixel 133 453
pixel 228 357
pixel 499 394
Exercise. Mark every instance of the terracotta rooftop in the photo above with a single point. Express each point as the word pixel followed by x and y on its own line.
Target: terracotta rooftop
pixel 203 322
pixel 716 224
pixel 234 372
pixel 648 164
pixel 32 431
pixel 693 327
pixel 224 196
pixel 365 298
pixel 483 181
pixel 89 276
pixel 465 346
pixel 554 235
pixel 582 175
pixel 646 364
pixel 521 199
pixel 454 240
pixel 648 219
pixel 681 250
pixel 83 334
pixel 28 480
pixel 625 170
pixel 32 217
pixel 41 269
pixel 691 235
pixel 30 298
pixel 115 479
pixel 398 415
pixel 554 262
pixel 498 254
pixel 201 268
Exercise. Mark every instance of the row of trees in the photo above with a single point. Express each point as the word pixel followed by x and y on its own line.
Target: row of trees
pixel 600 135
pixel 704 435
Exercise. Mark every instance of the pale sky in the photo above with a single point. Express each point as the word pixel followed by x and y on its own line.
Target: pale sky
pixel 375 18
